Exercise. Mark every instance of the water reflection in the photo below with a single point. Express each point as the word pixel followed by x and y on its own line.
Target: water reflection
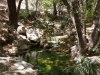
pixel 47 62
pixel 31 57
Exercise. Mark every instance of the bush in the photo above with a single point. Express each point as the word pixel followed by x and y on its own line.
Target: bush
pixel 86 68
pixel 23 15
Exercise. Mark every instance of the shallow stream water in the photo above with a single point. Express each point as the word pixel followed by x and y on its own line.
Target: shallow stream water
pixel 49 62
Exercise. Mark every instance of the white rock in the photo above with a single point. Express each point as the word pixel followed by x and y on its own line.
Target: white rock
pixel 21 37
pixel 17 67
pixel 27 64
pixel 21 30
pixel 33 34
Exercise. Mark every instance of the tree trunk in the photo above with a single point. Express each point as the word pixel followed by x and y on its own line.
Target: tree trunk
pixel 36 7
pixel 12 12
pixel 81 42
pixel 27 10
pixel 67 5
pixel 96 21
pixel 83 47
pixel 18 8
pixel 76 21
pixel 81 6
pixel 54 10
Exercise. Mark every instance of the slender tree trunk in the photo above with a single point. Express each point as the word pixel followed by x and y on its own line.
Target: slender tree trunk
pixel 54 10
pixel 67 5
pixel 18 8
pixel 83 22
pixel 97 12
pixel 36 7
pixel 84 30
pixel 96 21
pixel 27 10
pixel 81 6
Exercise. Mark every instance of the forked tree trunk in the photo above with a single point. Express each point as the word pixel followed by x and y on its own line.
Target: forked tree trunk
pixel 74 14
pixel 76 21
pixel 81 43
pixel 13 12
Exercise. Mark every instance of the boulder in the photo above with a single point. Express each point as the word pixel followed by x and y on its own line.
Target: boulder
pixel 34 33
pixel 21 30
pixel 22 42
pixel 15 66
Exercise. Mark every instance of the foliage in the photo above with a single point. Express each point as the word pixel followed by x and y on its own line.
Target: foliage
pixel 51 64
pixel 23 15
pixel 96 50
pixel 89 11
pixel 6 26
pixel 41 26
pixel 89 15
pixel 48 4
pixel 86 68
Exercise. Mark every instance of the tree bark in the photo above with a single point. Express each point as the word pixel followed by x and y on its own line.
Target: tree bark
pixel 12 12
pixel 54 10
pixel 27 10
pixel 67 5
pixel 76 21
pixel 18 8
pixel 75 10
pixel 96 12
pixel 96 21
pixel 36 7
pixel 81 5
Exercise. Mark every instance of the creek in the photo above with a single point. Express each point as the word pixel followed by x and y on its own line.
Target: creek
pixel 53 61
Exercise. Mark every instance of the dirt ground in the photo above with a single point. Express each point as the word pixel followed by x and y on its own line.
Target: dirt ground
pixel 3 16
pixel 3 13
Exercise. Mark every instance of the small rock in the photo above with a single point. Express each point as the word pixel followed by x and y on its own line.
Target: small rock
pixel 17 66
